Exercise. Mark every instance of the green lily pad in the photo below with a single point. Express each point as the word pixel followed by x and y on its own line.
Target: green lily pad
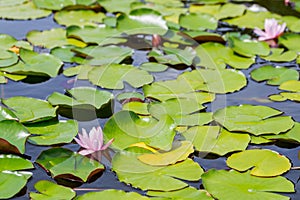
pixel 51 38
pixel 198 21
pixel 174 56
pixel 116 5
pixel 292 85
pixel 153 67
pixel 291 41
pixel 142 21
pixel 97 55
pixel 59 4
pixel 248 48
pixel 292 23
pixel 51 191
pixel 6 114
pixel 179 152
pixel 184 194
pixel 66 163
pixel 30 109
pixel 128 128
pixel 23 11
pixel 112 76
pixel 14 133
pixel 80 70
pixel 64 53
pixel 274 75
pixel 9 176
pixel 252 19
pixel 146 177
pixel 213 139
pixel 32 63
pixel 263 162
pixel 11 3
pixel 214 55
pixel 7 58
pixel 128 95
pixel 79 17
pixel 244 185
pixel 49 133
pixel 98 35
pixel 291 135
pixel 136 107
pixel 112 194
pixel 256 120
pixel 293 94
pixel 278 55
pixel 183 111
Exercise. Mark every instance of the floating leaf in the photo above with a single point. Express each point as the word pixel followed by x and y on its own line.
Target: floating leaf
pixel 244 185
pixel 214 55
pixel 14 133
pixel 183 111
pixel 142 21
pixel 116 5
pixel 112 194
pixel 98 35
pixel 179 152
pixel 49 133
pixel 59 4
pixel 112 76
pixel 184 194
pixel 128 128
pixel 7 58
pixel 98 55
pixel 7 114
pixel 153 67
pixel 291 41
pixel 263 162
pixel 291 135
pixel 32 63
pixel 23 11
pixel 64 53
pixel 79 17
pixel 136 107
pixel 248 48
pixel 292 23
pixel 51 38
pixel 12 181
pixel 30 109
pixel 278 55
pixel 65 163
pixel 198 21
pixel 212 139
pixel 51 191
pixel 146 177
pixel 293 94
pixel 11 3
pixel 274 75
pixel 253 119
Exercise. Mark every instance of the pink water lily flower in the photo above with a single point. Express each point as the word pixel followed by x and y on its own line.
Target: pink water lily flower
pixel 92 142
pixel 286 2
pixel 272 30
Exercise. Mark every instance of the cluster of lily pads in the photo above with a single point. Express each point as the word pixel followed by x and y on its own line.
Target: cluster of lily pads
pixel 163 124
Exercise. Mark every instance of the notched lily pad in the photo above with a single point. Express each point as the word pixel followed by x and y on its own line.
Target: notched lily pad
pixel 66 164
pixel 262 162
pixel 256 120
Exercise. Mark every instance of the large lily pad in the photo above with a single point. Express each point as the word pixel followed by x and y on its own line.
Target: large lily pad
pixel 14 133
pixel 256 120
pixel 142 21
pixel 79 17
pixel 112 76
pixel 59 4
pixel 52 38
pixel 97 55
pixel 274 75
pixel 263 162
pixel 279 55
pixel 112 194
pixel 64 163
pixel 179 152
pixel 213 139
pixel 98 35
pixel 30 109
pixel 32 63
pixel 198 21
pixel 23 11
pixel 49 133
pixel 128 128
pixel 214 55
pixel 290 41
pixel 11 180
pixel 244 185
pixel 51 191
pixel 146 177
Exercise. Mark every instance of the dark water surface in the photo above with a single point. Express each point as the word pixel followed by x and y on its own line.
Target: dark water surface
pixel 254 93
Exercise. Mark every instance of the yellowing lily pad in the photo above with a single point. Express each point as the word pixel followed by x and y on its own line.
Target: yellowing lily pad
pixel 179 152
pixel 293 91
pixel 262 162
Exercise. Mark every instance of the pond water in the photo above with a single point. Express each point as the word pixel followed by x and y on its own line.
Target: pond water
pixel 254 93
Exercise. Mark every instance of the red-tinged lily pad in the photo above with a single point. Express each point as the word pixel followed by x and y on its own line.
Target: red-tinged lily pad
pixel 66 164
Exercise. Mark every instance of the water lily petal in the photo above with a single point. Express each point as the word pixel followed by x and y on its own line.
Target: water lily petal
pixel 107 144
